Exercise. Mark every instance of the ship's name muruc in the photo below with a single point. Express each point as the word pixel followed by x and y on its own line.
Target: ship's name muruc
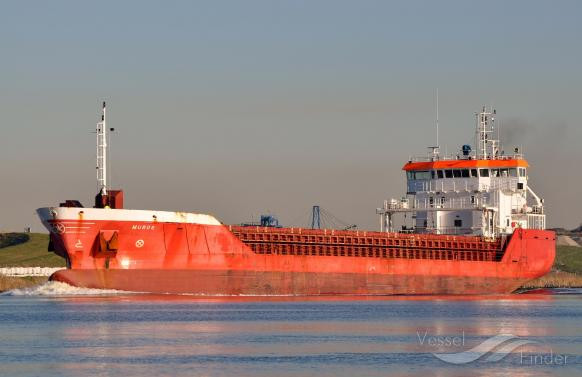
pixel 143 227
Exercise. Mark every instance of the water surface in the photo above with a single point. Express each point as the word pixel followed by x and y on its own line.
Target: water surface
pixel 57 330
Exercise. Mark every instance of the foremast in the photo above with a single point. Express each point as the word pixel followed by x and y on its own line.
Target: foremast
pixel 102 153
pixel 106 197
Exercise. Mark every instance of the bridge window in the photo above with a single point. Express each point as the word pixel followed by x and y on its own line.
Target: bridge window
pixel 495 172
pixel 484 172
pixel 474 173
pixel 457 173
pixel 432 174
pixel 504 172
pixel 512 172
pixel 440 174
pixel 465 173
pixel 522 172
pixel 422 175
pixel 449 173
pixel 410 175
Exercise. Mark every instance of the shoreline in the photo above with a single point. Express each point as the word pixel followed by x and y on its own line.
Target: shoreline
pixel 555 279
pixel 8 283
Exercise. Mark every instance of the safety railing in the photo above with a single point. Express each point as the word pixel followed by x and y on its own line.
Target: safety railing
pixel 462 184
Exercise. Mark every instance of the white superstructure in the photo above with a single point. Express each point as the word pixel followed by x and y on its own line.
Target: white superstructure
pixel 482 191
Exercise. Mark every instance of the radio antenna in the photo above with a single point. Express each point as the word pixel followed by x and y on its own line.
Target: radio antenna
pixel 435 149
pixel 437 117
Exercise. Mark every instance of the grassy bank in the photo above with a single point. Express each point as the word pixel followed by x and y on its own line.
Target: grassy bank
pixel 566 272
pixel 556 279
pixel 569 259
pixel 31 253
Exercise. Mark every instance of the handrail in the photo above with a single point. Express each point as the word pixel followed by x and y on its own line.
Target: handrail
pixel 433 158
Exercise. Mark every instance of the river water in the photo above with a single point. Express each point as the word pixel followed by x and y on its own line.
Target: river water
pixel 57 330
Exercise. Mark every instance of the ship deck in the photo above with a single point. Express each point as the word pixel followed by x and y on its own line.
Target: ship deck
pixel 349 243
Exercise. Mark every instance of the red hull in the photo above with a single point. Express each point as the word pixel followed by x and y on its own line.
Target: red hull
pixel 168 257
pixel 253 283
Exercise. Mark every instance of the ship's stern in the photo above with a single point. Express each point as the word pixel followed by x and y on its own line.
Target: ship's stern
pixel 533 251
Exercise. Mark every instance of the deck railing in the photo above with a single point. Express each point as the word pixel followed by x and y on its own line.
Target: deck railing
pixel 462 184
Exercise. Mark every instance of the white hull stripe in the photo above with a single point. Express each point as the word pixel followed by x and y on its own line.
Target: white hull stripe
pixel 91 214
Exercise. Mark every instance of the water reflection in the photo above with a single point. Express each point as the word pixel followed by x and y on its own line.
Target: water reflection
pixel 151 335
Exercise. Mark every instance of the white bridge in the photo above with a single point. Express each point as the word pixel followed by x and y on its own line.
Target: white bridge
pixel 481 192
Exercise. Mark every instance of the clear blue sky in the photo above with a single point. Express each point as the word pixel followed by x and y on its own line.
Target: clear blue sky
pixel 237 108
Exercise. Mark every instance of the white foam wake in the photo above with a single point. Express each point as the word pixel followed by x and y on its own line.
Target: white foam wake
pixel 57 288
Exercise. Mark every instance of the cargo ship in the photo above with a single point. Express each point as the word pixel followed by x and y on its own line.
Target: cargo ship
pixel 478 228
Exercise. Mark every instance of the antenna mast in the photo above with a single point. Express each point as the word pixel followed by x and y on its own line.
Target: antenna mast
pixel 486 144
pixel 435 149
pixel 102 154
pixel 437 118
